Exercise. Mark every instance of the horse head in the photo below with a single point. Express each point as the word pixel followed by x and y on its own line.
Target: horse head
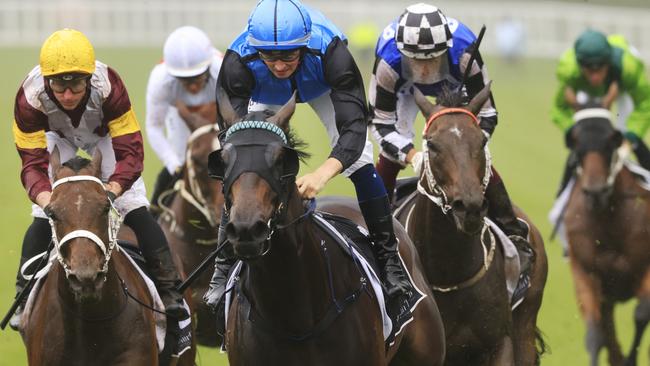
pixel 83 225
pixel 456 166
pixel 258 166
pixel 203 193
pixel 595 143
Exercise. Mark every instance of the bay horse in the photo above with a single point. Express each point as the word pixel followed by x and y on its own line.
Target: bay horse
pixel 607 220
pixel 463 262
pixel 300 300
pixel 191 220
pixel 83 314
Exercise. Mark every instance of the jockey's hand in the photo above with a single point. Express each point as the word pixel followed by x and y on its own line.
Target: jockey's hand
pixel 43 199
pixel 309 185
pixel 114 188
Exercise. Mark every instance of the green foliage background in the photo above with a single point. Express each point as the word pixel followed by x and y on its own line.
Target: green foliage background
pixel 527 150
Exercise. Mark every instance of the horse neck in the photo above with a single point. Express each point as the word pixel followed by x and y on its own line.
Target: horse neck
pixel 289 285
pixel 451 256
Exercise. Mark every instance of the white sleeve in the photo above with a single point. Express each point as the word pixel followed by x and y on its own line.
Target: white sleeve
pixel 158 104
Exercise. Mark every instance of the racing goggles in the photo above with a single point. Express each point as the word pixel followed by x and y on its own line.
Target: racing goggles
pixel 199 79
pixel 76 83
pixel 284 56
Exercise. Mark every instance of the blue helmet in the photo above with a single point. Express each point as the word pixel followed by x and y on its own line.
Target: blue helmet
pixel 279 25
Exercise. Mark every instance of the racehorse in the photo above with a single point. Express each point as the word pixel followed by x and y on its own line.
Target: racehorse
pixel 607 217
pixel 191 220
pixel 298 292
pixel 83 314
pixel 463 261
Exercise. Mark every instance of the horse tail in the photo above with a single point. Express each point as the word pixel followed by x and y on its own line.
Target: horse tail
pixel 541 347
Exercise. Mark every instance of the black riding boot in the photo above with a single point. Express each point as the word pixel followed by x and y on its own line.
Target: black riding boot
pixel 569 169
pixel 36 240
pixel 500 210
pixel 376 213
pixel 214 297
pixel 158 260
pixel 164 182
pixel 642 153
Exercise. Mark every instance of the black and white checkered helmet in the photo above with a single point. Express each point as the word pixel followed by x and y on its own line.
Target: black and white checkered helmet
pixel 423 32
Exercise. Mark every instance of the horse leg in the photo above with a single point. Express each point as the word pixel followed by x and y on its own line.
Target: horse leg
pixel 504 355
pixel 588 297
pixel 615 355
pixel 641 318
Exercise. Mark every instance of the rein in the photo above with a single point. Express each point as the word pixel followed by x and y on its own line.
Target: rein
pixel 114 221
pixel 191 192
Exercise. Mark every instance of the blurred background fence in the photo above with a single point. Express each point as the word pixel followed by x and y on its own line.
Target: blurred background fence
pixel 542 28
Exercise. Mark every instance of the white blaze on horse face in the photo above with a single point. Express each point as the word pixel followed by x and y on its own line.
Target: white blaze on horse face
pixel 456 131
pixel 79 202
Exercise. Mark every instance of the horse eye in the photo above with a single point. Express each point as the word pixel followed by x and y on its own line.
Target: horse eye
pixel 49 212
pixel 432 147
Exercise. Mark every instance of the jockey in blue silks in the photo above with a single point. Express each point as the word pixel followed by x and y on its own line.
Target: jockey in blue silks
pixel 288 47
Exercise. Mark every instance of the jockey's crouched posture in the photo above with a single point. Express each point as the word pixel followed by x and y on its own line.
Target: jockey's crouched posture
pixel 289 47
pixel 424 49
pixel 186 79
pixel 71 101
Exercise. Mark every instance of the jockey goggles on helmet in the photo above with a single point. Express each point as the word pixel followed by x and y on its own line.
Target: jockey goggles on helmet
pixel 198 79
pixel 280 55
pixel 77 83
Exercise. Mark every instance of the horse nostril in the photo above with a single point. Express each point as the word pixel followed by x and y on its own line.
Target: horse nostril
pixel 458 205
pixel 259 230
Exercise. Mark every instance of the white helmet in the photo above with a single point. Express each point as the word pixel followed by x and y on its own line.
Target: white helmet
pixel 188 52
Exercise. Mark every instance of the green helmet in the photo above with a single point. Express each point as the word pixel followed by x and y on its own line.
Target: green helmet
pixel 592 49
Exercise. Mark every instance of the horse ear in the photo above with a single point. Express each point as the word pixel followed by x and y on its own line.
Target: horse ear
pixel 426 107
pixel 228 113
pixel 282 117
pixel 479 99
pixel 55 160
pixel 97 163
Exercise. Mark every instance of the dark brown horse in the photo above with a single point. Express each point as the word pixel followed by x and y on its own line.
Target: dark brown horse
pixel 191 220
pixel 82 314
pixel 607 222
pixel 463 260
pixel 300 300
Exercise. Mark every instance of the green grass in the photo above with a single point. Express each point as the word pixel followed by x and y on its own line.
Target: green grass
pixel 527 150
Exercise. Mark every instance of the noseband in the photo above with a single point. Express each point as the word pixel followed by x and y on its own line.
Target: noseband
pixel 114 221
pixel 435 192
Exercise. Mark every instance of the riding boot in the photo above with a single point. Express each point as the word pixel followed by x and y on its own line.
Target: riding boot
pixel 500 210
pixel 642 153
pixel 163 272
pixel 569 169
pixel 379 220
pixel 214 296
pixel 36 239
pixel 158 259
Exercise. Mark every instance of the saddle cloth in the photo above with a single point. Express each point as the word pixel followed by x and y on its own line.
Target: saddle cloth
pixel 341 230
pixel 184 340
pixel 555 215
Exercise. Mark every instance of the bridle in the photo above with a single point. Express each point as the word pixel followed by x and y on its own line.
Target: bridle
pixel 114 221
pixel 435 193
pixel 433 190
pixel 192 192
pixel 260 135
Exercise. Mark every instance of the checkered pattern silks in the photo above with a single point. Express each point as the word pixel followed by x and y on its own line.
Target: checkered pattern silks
pixel 422 32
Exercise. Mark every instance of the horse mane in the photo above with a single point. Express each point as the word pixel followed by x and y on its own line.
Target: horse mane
pixel 451 98
pixel 77 163
pixel 292 140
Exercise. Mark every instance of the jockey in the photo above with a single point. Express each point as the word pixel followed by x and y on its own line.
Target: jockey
pixel 601 69
pixel 424 49
pixel 71 101
pixel 186 79
pixel 289 47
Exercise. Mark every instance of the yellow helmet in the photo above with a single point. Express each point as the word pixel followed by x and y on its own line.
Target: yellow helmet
pixel 67 51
